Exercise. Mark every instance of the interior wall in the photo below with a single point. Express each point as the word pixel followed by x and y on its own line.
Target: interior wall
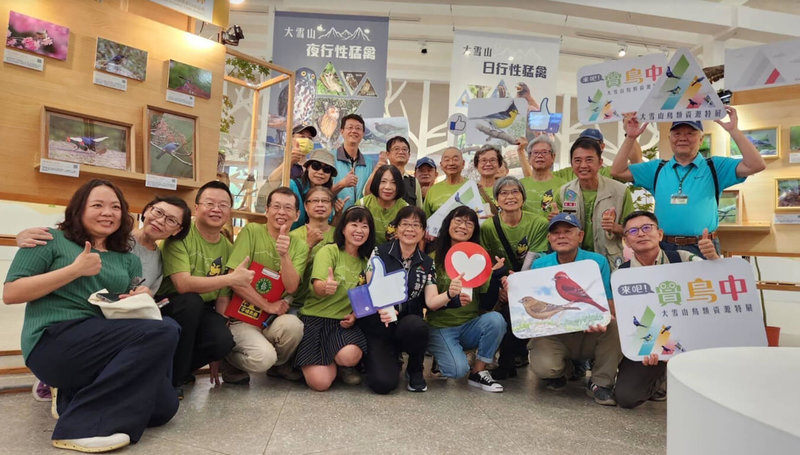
pixel 68 85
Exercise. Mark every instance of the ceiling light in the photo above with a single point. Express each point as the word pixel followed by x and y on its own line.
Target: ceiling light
pixel 236 2
pixel 623 49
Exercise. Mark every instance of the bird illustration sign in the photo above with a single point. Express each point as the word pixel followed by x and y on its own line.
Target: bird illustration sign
pixel 671 308
pixel 470 260
pixel 559 299
pixel 493 120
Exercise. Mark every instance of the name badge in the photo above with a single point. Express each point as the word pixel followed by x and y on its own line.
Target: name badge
pixel 679 199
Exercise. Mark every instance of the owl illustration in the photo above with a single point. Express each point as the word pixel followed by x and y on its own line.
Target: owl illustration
pixel 328 122
pixel 305 92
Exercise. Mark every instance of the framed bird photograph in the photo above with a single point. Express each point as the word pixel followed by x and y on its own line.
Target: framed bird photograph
pixel 765 140
pixel 787 194
pixel 30 34
pixel 189 79
pixel 84 139
pixel 170 143
pixel 729 207
pixel 119 59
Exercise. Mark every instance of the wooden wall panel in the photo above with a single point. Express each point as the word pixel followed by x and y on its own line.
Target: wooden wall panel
pixel 68 85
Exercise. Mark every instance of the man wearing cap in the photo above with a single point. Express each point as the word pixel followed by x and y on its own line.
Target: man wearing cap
pixel 552 356
pixel 302 144
pixel 398 152
pixel 425 173
pixel 352 169
pixel 687 186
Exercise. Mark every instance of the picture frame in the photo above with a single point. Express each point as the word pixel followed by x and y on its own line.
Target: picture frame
pixel 117 58
pixel 87 140
pixel 766 140
pixel 30 34
pixel 189 79
pixel 794 139
pixel 171 143
pixel 787 194
pixel 730 207
pixel 707 146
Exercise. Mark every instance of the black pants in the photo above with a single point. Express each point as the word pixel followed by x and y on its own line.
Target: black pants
pixel 511 346
pixel 113 375
pixel 636 382
pixel 205 336
pixel 384 345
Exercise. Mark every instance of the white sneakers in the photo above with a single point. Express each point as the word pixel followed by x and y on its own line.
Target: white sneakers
pixel 96 444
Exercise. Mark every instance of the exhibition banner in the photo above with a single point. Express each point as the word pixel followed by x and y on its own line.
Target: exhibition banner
pixel 340 65
pixel 559 299
pixel 610 89
pixel 672 308
pixel 487 65
pixel 768 65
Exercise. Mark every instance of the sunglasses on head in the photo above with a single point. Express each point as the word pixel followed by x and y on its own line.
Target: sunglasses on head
pixel 317 166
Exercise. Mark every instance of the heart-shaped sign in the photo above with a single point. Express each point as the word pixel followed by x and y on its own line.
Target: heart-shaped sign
pixel 470 259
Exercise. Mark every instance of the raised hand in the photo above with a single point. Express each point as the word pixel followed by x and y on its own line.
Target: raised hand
pixel 87 263
pixel 632 127
pixel 553 211
pixel 456 284
pixel 499 263
pixel 522 144
pixel 609 220
pixel 241 275
pixel 339 204
pixel 349 180
pixel 33 236
pixel 297 151
pixel 706 246
pixel 383 158
pixel 331 284
pixel 283 241
pixel 733 120
pixel 313 237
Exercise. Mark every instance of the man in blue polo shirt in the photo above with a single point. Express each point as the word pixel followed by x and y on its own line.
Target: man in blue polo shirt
pixel 352 170
pixel 684 186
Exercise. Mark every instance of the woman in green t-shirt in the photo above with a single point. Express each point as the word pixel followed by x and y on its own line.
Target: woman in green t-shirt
pixel 330 337
pixel 384 201
pixel 112 375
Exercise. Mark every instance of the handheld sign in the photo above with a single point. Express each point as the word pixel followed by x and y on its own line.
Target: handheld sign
pixel 468 195
pixel 671 308
pixel 383 290
pixel 559 299
pixel 471 260
pixel 266 282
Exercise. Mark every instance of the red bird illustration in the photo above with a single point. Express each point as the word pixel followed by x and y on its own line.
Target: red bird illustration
pixel 572 291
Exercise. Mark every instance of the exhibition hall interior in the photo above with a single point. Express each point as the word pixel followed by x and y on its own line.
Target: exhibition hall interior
pixel 422 226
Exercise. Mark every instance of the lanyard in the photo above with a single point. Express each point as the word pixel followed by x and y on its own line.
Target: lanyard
pixel 680 180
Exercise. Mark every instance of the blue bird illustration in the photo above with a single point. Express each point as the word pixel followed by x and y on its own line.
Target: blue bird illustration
pixel 86 143
pixel 671 74
pixel 458 198
pixel 666 350
pixel 697 80
pixel 693 102
pixel 173 149
pixel 675 90
pixel 637 323
pixel 665 328
pixel 647 337
pixel 679 347
pixel 117 59
pixel 591 101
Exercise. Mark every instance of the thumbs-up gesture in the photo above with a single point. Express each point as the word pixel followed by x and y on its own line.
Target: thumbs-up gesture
pixel 283 241
pixel 297 151
pixel 706 246
pixel 455 285
pixel 350 180
pixel 608 221
pixel 87 263
pixel 241 275
pixel 553 211
pixel 383 158
pixel 386 289
pixel 339 204
pixel 331 284
pixel 313 237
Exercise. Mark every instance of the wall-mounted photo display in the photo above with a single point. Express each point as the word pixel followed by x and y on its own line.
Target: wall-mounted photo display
pixel 794 144
pixel 730 207
pixel 171 143
pixel 189 79
pixel 766 140
pixel 119 59
pixel 787 194
pixel 35 35
pixel 85 139
pixel 706 146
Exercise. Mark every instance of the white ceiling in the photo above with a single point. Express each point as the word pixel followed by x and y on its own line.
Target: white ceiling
pixel 590 30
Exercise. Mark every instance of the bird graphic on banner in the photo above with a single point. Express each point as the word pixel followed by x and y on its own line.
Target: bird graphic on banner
pixel 573 292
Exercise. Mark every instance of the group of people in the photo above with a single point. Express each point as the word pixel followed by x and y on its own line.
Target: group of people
pixel 112 378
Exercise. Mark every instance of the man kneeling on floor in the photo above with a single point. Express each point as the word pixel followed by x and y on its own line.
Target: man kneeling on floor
pixel 552 357
pixel 638 382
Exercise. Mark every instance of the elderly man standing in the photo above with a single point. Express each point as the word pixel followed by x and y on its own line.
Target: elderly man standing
pixel 452 164
pixel 425 173
pixel 638 382
pixel 542 185
pixel 687 187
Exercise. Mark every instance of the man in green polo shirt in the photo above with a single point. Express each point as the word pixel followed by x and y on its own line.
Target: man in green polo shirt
pixel 257 350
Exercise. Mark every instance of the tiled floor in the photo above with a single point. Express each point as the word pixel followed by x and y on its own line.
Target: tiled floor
pixel 273 416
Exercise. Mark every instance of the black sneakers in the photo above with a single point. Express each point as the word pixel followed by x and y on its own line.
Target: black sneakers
pixel 484 380
pixel 416 381
pixel 601 395
pixel 555 383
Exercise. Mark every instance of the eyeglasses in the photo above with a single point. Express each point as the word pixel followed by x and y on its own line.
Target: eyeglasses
pixel 645 228
pixel 399 149
pixel 506 193
pixel 487 161
pixel 278 207
pixel 318 201
pixel 317 166
pixel 403 225
pixel 170 221
pixel 541 152
pixel 353 128
pixel 463 222
pixel 211 205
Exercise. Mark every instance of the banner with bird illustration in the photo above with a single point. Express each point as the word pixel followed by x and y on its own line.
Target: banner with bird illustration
pixel 671 308
pixel 559 299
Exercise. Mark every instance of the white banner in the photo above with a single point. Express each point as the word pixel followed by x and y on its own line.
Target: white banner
pixel 609 89
pixel 199 9
pixel 672 308
pixel 468 195
pixel 486 65
pixel 768 65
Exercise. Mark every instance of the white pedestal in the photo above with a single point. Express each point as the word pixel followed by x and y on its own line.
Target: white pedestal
pixel 743 400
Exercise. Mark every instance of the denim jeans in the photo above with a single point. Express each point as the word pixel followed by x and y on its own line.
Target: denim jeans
pixel 448 344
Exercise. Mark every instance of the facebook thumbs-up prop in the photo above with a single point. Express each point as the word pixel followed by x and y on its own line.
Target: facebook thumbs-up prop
pixel 383 290
pixel 543 119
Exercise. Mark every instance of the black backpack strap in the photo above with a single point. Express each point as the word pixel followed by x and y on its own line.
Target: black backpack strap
pixel 710 164
pixel 655 178
pixel 625 265
pixel 506 246
pixel 673 256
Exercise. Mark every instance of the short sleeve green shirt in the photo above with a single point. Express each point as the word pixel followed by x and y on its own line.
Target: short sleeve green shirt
pixel 300 235
pixel 347 270
pixel 539 195
pixel 382 216
pixel 438 194
pixel 529 235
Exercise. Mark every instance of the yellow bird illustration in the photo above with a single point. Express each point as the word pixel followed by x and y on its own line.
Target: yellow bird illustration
pixel 502 119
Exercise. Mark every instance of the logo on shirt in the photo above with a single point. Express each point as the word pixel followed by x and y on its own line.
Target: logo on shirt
pixel 216 267
pixel 522 248
pixel 547 201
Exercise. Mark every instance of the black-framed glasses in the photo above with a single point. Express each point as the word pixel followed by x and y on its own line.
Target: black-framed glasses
pixel 645 228
pixel 317 166
pixel 170 221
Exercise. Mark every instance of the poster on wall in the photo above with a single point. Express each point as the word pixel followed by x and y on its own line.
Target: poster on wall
pixel 203 9
pixel 609 89
pixel 340 68
pixel 487 65
pixel 35 35
pixel 768 65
